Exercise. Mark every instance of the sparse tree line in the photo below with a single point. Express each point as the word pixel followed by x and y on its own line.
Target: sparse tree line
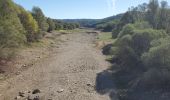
pixel 141 53
pixel 18 26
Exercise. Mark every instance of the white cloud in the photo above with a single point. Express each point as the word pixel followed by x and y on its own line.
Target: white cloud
pixel 111 5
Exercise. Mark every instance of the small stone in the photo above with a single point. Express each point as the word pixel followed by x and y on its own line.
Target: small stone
pixel 24 65
pixel 33 97
pixel 36 91
pixel 21 94
pixel 89 85
pixel 60 91
pixel 38 57
pixel 17 73
pixel 17 98
pixel 29 91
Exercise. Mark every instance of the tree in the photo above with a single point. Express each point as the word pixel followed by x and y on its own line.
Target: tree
pixel 153 8
pixel 51 24
pixel 164 16
pixel 40 18
pixel 30 25
pixel 77 25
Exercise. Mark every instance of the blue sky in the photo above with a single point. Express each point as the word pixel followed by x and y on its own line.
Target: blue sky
pixel 76 9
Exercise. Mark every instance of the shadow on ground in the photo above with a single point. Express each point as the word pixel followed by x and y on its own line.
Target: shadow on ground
pixel 105 84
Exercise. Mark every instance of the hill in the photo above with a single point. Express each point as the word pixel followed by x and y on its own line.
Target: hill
pixel 93 22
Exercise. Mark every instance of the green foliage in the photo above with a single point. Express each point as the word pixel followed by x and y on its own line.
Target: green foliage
pixel 107 27
pixel 18 26
pixel 156 76
pixel 142 39
pixel 136 41
pixel 158 56
pixel 51 24
pixel 141 53
pixel 142 25
pixel 11 29
pixel 30 25
pixel 128 29
pixel 77 25
pixel 40 18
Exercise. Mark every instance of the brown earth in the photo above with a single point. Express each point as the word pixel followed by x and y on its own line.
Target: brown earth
pixel 66 72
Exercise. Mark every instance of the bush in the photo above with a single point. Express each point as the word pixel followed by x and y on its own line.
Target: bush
pixel 158 57
pixel 11 29
pixel 141 39
pixel 127 29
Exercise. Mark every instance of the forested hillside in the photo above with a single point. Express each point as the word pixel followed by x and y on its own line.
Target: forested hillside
pixel 140 54
pixel 19 27
pixel 83 22
pixel 104 24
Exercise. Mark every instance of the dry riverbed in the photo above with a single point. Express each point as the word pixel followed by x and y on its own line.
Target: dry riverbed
pixel 67 71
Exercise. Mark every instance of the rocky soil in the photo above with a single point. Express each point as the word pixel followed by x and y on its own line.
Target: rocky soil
pixel 69 73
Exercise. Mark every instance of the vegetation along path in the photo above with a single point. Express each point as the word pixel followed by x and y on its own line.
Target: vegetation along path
pixel 69 74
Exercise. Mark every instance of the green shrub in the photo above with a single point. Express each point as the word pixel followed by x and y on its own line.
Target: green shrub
pixel 124 41
pixel 127 29
pixel 135 44
pixel 141 39
pixel 11 29
pixel 158 57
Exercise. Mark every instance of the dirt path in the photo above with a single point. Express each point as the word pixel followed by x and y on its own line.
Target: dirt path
pixel 69 74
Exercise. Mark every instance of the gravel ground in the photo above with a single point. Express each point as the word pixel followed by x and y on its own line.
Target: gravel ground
pixel 68 74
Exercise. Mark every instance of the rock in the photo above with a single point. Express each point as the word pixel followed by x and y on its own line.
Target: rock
pixel 21 94
pixel 24 65
pixel 29 91
pixel 89 85
pixel 17 73
pixel 36 91
pixel 38 57
pixel 33 97
pixel 60 90
pixel 18 97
